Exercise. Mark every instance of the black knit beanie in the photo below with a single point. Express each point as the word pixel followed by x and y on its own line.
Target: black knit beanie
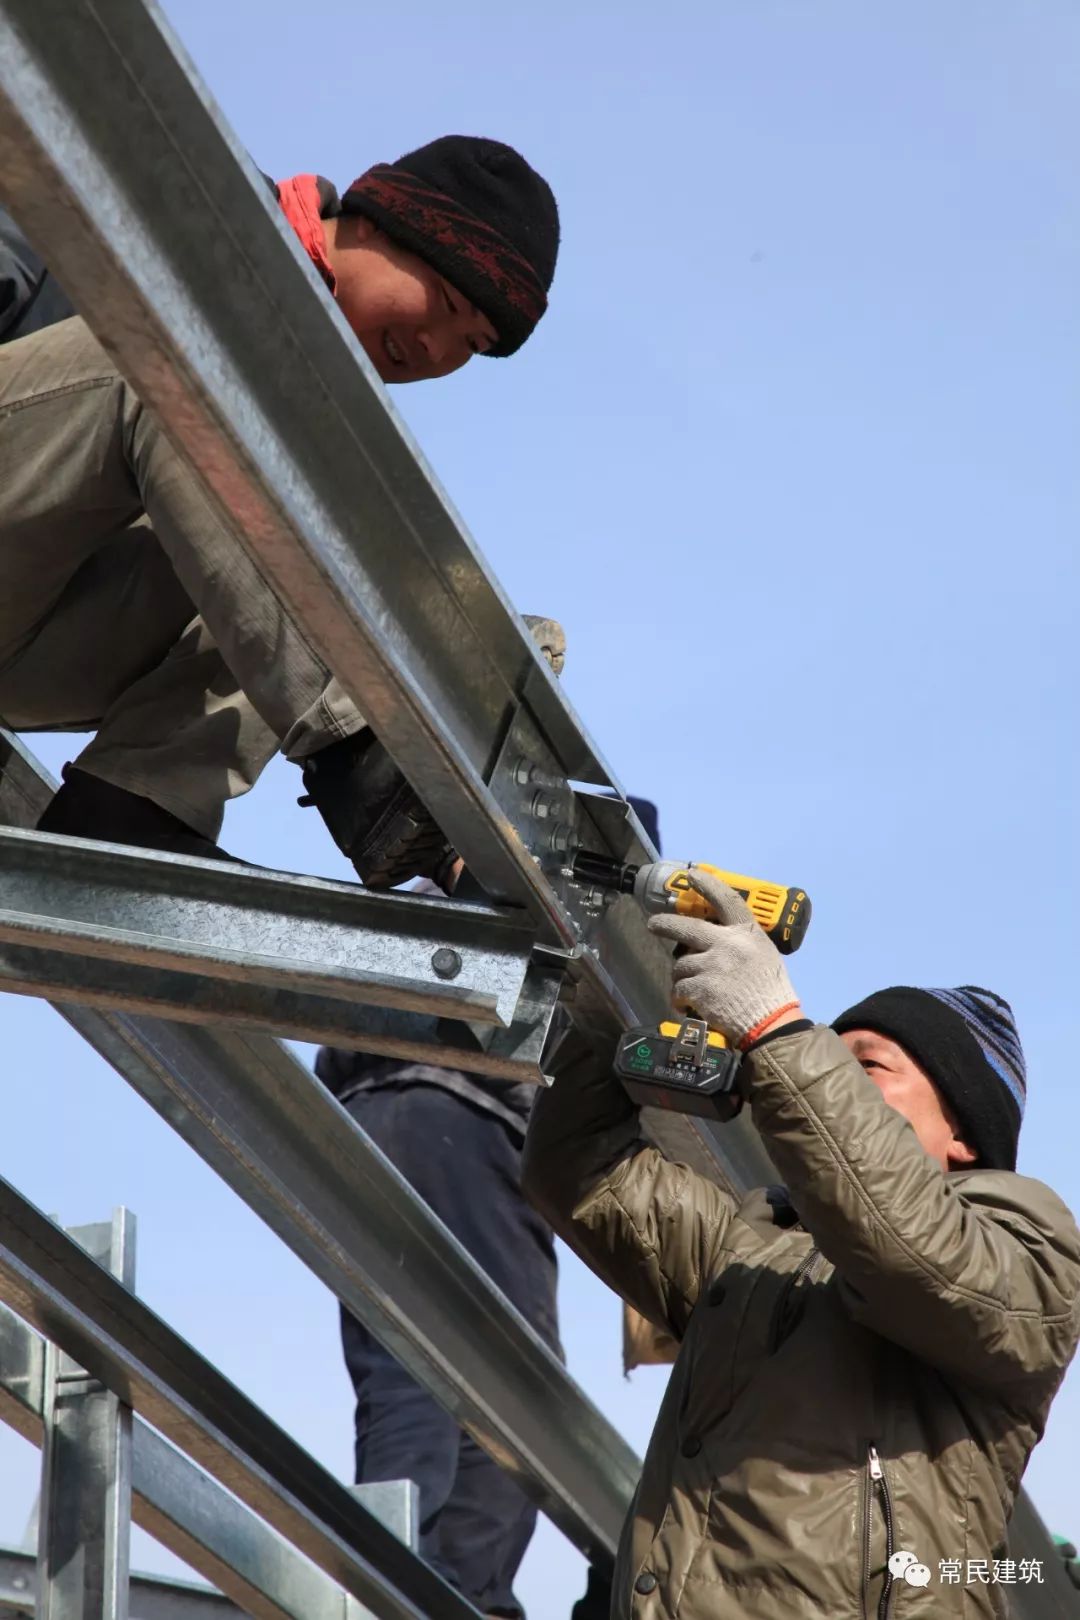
pixel 478 214
pixel 967 1042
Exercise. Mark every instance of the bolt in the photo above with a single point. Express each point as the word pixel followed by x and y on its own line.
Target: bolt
pixel 446 963
pixel 564 840
pixel 523 771
pixel 541 806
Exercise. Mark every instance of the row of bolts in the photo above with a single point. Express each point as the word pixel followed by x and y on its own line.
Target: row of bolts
pixel 562 840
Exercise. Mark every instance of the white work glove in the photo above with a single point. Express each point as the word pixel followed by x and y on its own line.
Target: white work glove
pixel 732 975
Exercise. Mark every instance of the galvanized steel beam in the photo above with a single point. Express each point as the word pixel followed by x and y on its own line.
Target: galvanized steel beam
pixel 275 1135
pixel 148 195
pixel 49 1281
pixel 188 1511
pixel 120 168
pixel 297 1158
pixel 232 925
pixel 123 173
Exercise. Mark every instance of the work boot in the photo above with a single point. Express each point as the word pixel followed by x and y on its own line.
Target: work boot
pixel 89 807
pixel 371 812
pixel 374 817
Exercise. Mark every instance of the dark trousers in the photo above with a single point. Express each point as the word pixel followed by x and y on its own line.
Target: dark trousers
pixel 475 1523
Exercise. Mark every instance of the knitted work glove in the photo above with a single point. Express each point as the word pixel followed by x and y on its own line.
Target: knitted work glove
pixel 730 973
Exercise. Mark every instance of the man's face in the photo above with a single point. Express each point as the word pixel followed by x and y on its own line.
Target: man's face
pixel 910 1090
pixel 413 323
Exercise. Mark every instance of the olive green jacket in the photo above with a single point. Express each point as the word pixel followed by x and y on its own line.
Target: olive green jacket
pixel 866 1377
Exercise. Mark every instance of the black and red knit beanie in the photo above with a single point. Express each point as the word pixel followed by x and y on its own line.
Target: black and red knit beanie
pixel 476 212
pixel 966 1040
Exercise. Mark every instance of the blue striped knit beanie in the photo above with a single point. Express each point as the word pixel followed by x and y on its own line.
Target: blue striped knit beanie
pixel 967 1042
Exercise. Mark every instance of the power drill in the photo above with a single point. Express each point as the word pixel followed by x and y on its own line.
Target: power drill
pixel 684 1065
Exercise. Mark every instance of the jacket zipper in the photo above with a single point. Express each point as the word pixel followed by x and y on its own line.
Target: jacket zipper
pixel 878 1482
pixel 780 1308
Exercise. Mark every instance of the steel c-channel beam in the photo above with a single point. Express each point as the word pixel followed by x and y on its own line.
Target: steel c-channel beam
pixel 188 1511
pixel 123 173
pixel 147 193
pixel 52 1284
pixel 259 1118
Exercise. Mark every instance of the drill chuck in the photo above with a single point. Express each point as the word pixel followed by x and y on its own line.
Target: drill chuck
pixel 603 872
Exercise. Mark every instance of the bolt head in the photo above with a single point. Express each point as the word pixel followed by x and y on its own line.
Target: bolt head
pixel 446 963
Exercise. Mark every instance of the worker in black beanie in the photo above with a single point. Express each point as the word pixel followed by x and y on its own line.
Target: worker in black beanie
pixel 966 1043
pixel 478 213
pixel 130 606
pixel 446 253
pixel 869 1347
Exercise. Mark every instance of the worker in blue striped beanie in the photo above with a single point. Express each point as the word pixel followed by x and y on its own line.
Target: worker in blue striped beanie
pixel 967 1043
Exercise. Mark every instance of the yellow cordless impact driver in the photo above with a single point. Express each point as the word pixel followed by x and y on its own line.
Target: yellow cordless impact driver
pixel 684 1065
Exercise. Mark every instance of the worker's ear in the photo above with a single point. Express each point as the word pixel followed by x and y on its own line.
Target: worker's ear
pixel 960 1156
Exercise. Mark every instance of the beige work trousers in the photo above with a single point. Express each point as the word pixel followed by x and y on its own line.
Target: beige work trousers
pixel 127 604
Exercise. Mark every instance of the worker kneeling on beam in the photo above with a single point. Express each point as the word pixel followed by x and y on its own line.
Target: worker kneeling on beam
pixel 127 604
pixel 868 1353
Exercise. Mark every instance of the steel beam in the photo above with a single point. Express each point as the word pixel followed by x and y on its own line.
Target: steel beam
pixel 189 1512
pixel 198 1520
pixel 230 925
pixel 52 1284
pixel 260 1119
pixel 296 1157
pixel 84 1514
pixel 121 170
pixel 503 1054
pixel 149 195
pixel 123 173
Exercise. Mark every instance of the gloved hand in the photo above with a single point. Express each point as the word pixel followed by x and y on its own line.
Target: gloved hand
pixel 732 974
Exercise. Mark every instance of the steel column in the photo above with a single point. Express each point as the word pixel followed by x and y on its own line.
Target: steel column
pixel 84 1513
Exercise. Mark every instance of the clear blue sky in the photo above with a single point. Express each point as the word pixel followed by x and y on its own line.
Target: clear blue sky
pixel 793 457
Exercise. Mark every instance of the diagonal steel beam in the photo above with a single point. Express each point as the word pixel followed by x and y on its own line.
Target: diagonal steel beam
pixel 122 171
pixel 188 1511
pixel 52 1284
pixel 148 194
pixel 261 1120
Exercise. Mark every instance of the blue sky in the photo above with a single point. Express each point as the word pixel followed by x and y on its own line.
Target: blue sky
pixel 793 459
